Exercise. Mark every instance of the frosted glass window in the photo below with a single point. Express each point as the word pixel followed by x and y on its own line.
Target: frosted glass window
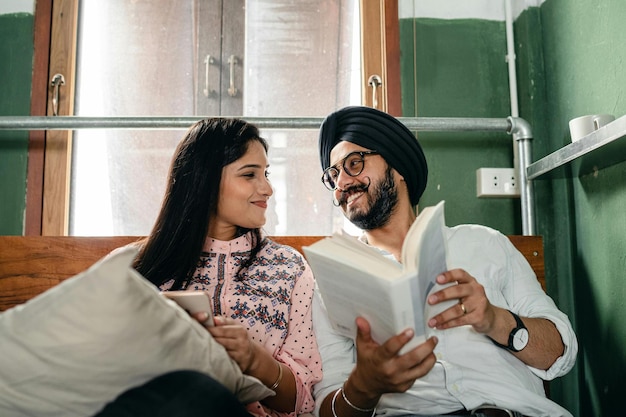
pixel 287 58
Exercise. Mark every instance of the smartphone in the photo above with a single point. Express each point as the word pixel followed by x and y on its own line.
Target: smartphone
pixel 193 302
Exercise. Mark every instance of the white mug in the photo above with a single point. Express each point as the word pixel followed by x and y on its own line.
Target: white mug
pixel 584 125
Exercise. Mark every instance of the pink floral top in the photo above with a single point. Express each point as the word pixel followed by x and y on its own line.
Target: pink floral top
pixel 273 301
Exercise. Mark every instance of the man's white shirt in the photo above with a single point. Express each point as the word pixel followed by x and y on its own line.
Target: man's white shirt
pixel 470 370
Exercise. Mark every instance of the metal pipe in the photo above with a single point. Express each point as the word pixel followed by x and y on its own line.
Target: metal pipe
pixel 522 134
pixel 519 128
pixel 433 124
pixel 450 124
pixel 510 59
pixel 154 123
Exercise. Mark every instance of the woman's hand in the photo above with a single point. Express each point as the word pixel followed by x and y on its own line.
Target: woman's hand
pixel 234 337
pixel 254 360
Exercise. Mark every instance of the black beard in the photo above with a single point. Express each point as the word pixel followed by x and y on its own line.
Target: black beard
pixel 383 201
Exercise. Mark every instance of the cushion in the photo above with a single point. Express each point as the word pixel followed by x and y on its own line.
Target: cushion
pixel 77 346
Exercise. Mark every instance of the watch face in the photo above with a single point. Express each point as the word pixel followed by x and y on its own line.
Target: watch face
pixel 520 339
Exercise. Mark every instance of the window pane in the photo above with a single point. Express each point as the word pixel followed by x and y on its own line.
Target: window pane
pixel 146 58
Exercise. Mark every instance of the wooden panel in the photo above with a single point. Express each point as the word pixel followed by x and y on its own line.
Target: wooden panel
pixel 380 54
pixel 59 142
pixel 372 51
pixel 29 265
pixel 532 249
pixel 393 91
pixel 37 138
pixel 297 242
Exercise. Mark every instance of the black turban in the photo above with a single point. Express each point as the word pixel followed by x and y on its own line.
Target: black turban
pixel 378 131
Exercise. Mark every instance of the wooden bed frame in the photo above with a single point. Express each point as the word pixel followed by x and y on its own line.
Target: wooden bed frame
pixel 29 265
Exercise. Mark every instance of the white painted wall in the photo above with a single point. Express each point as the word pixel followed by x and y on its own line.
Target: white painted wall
pixel 17 6
pixel 462 9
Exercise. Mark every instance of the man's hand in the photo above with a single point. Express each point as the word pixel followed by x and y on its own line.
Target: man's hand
pixel 545 345
pixel 473 308
pixel 381 369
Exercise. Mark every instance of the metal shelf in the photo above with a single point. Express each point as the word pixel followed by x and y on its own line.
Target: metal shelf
pixel 600 149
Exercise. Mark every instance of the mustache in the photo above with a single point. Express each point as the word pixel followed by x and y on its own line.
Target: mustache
pixel 343 197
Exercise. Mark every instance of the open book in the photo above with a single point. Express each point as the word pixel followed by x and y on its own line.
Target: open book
pixel 355 279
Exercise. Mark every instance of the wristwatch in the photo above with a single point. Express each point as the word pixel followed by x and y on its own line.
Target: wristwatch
pixel 518 338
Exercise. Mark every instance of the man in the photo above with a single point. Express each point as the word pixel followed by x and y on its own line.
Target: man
pixel 491 350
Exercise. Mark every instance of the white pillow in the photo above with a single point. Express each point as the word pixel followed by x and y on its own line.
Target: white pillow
pixel 74 348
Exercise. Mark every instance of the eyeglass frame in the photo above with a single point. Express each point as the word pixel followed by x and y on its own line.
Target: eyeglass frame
pixel 362 154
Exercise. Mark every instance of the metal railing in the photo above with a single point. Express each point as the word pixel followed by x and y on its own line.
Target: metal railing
pixel 515 126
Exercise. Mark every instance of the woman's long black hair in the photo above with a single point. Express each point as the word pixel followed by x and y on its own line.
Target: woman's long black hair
pixel 175 243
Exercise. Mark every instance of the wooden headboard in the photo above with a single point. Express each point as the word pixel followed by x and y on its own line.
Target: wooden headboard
pixel 29 265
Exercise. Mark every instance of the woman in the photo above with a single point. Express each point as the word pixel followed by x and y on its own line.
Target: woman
pixel 208 237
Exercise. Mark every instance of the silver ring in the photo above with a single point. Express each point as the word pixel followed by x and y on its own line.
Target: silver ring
pixel 463 308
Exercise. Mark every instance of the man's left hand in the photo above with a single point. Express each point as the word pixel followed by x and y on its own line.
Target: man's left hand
pixel 473 308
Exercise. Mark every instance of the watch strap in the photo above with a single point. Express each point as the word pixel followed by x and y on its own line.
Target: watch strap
pixel 519 325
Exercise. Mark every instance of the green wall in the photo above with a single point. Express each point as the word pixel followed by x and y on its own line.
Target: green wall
pixel 454 80
pixel 584 54
pixel 552 222
pixel 16 56
pixel 570 62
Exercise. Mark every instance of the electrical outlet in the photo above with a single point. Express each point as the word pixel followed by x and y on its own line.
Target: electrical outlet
pixel 496 182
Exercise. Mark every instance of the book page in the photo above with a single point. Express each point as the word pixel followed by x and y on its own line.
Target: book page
pixel 425 251
pixel 349 292
pixel 354 283
pixel 352 243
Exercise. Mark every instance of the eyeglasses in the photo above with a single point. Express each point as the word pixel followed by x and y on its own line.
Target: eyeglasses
pixel 352 164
